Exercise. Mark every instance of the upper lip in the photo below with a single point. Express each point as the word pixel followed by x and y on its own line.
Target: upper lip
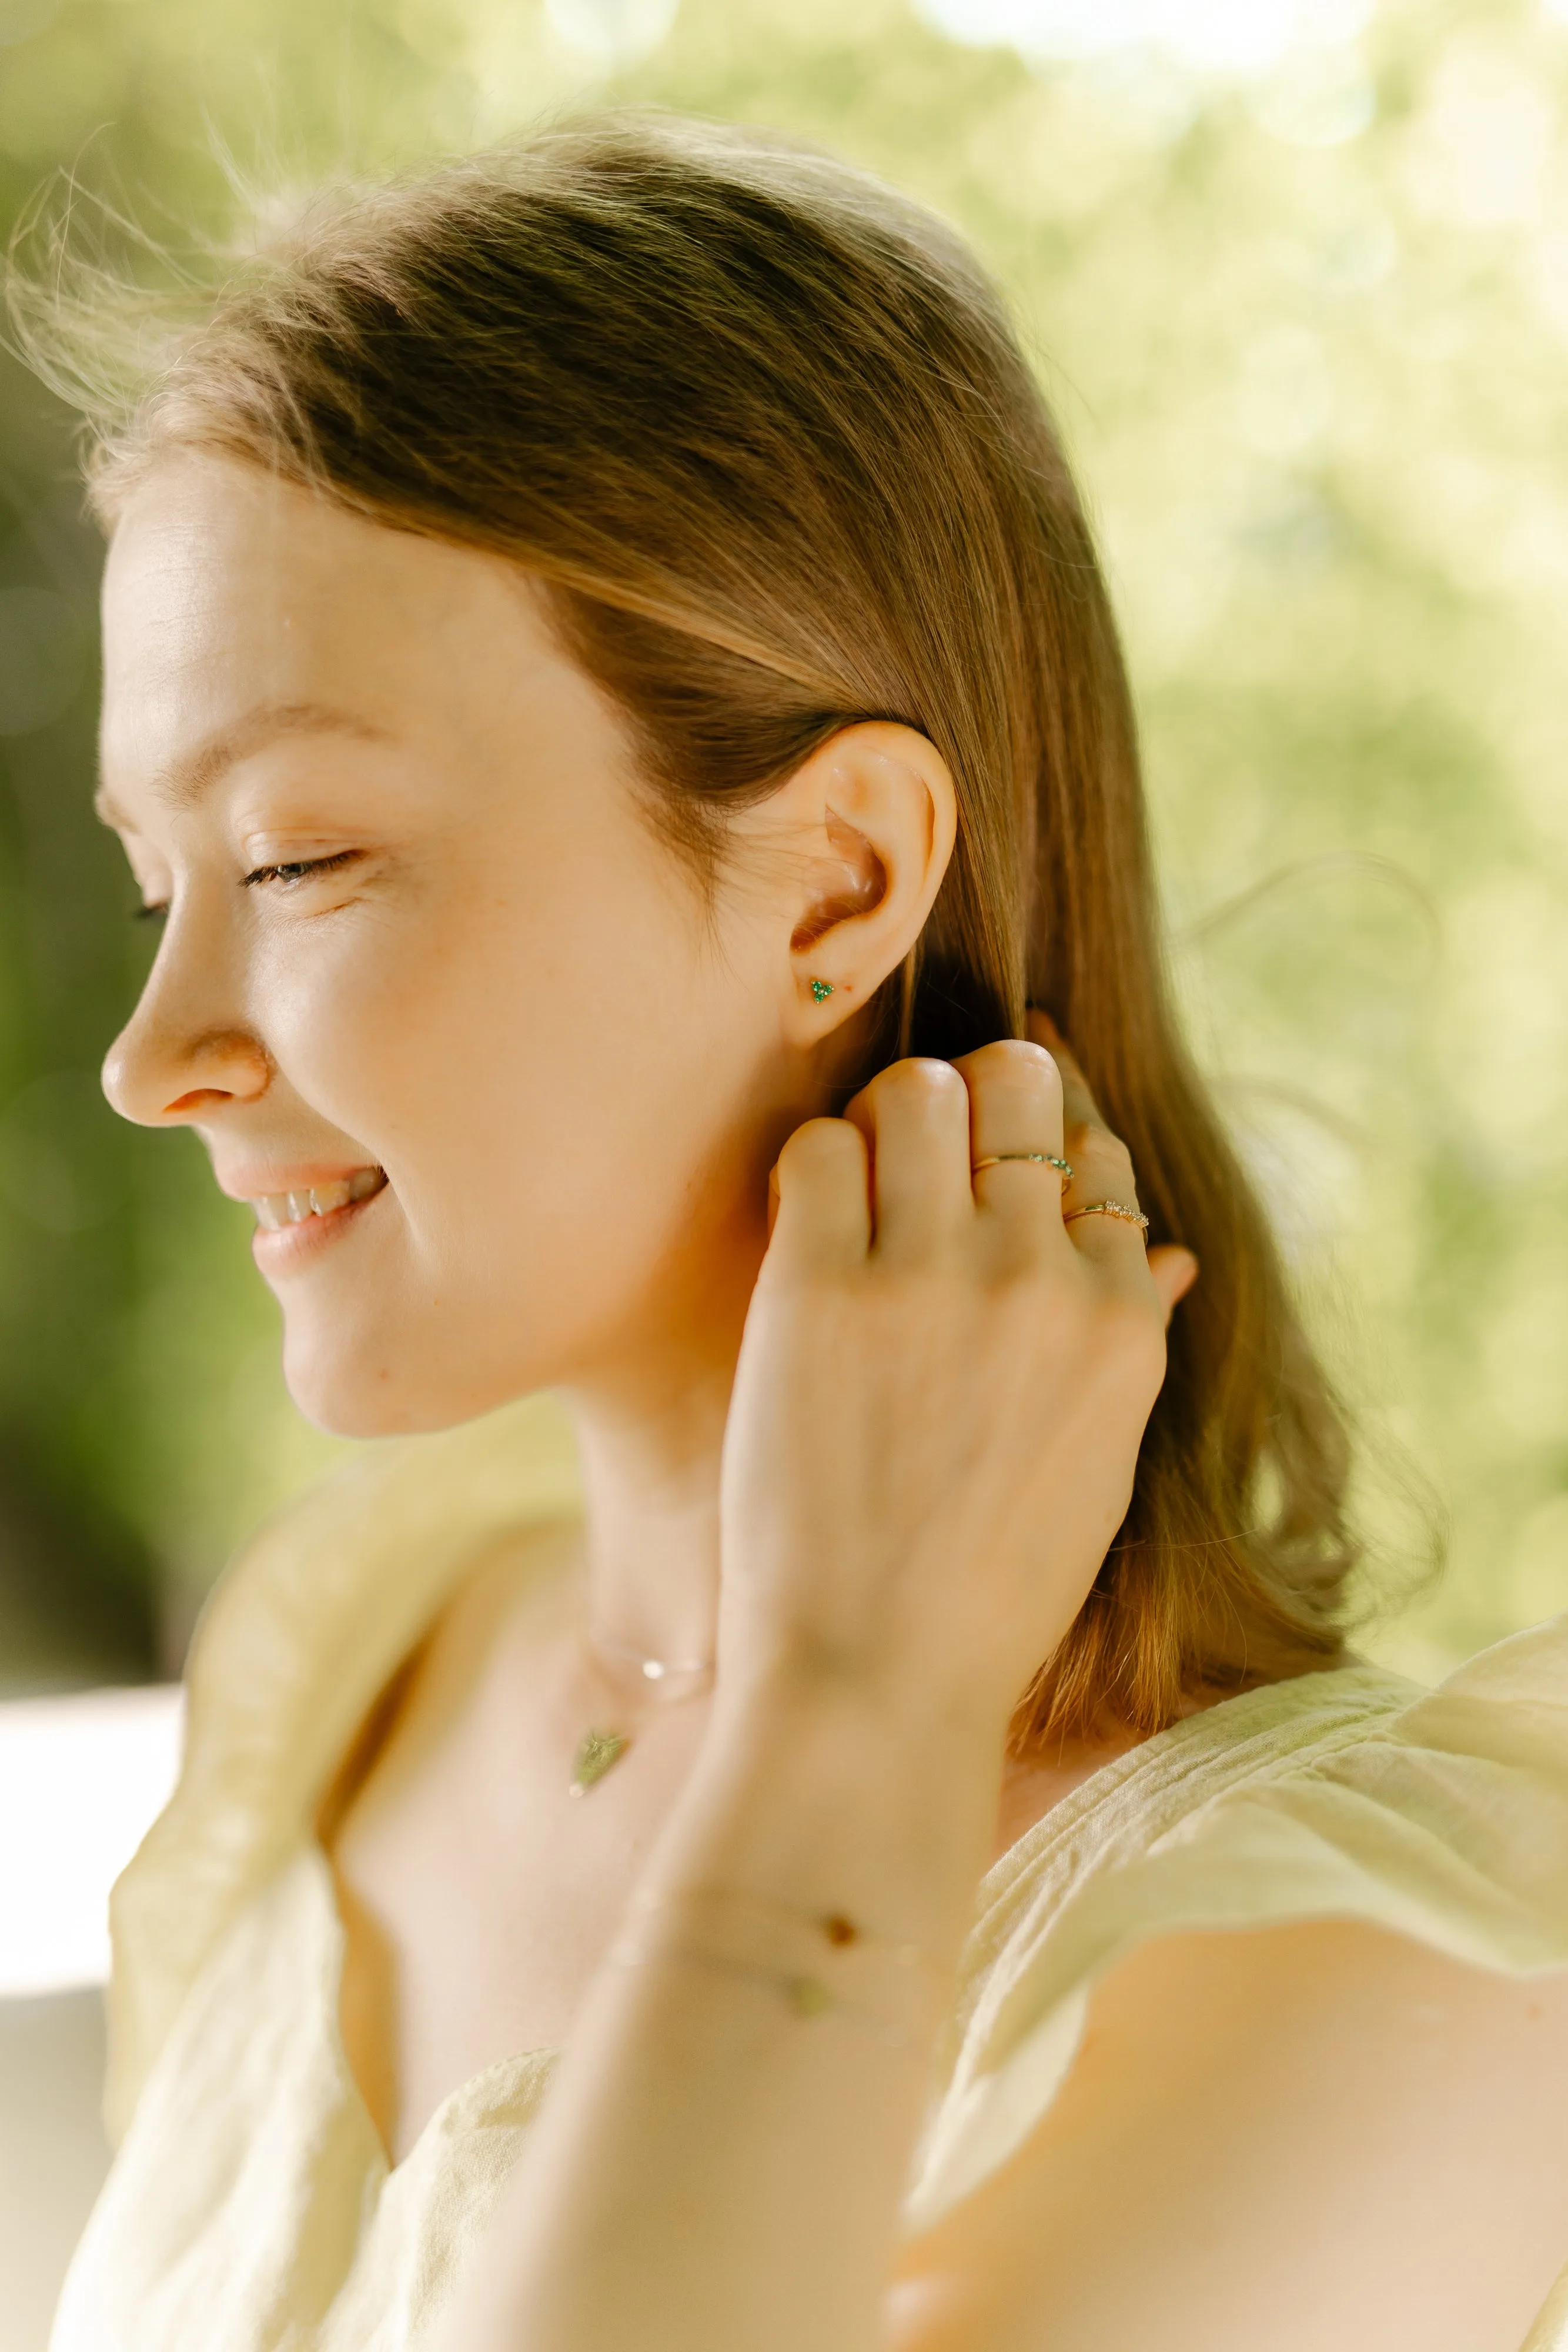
pixel 297 1176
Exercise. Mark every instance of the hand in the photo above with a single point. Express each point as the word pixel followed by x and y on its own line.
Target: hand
pixel 942 1388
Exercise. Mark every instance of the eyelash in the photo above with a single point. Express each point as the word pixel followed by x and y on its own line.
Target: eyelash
pixel 297 868
pixel 288 871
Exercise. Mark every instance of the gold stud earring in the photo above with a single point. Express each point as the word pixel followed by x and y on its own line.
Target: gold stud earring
pixel 822 990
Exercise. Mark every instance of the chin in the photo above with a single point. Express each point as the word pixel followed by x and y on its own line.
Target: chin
pixel 366 1388
pixel 351 1395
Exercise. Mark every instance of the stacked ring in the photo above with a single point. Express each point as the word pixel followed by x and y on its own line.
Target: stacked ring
pixel 1045 1159
pixel 1109 1209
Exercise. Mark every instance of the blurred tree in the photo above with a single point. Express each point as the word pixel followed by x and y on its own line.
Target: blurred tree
pixel 1298 279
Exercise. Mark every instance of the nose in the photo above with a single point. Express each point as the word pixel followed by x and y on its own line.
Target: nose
pixel 179 1060
pixel 155 1091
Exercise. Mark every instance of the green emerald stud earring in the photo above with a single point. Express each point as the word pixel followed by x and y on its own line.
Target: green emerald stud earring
pixel 822 990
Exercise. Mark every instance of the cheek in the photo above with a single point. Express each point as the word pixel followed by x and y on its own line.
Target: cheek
pixel 556 1083
pixel 429 1029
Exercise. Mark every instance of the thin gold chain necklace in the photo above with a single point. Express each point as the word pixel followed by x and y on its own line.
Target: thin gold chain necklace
pixel 600 1751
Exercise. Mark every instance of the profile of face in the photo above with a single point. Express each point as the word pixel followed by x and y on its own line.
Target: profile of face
pixel 432 988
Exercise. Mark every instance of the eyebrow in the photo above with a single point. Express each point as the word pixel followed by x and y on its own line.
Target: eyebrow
pixel 182 787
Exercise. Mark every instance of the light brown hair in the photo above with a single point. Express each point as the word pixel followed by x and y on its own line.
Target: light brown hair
pixel 765 434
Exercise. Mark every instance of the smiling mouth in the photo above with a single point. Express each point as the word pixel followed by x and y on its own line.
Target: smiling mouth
pixel 276 1210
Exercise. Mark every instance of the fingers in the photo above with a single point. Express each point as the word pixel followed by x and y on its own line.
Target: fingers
pixel 928 1122
pixel 1016 1133
pixel 1015 1104
pixel 823 1191
pixel 1174 1271
pixel 1102 1171
pixel 915 1118
pixel 898 1173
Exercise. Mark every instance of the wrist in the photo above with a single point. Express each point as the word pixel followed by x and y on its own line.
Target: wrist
pixel 814 1691
pixel 814 1962
pixel 814 1790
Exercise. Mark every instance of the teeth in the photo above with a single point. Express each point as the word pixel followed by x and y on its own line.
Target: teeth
pixel 276 1210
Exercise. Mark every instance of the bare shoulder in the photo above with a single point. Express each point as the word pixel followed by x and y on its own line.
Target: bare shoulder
pixel 1316 2135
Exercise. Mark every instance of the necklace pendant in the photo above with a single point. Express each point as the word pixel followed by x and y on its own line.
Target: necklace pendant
pixel 597 1752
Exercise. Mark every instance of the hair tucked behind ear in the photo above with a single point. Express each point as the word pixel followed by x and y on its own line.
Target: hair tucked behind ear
pixel 763 433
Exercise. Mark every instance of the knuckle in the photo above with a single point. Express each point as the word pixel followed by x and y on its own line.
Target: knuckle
pixel 1012 1058
pixel 822 1142
pixel 1100 1158
pixel 919 1078
pixel 1096 1136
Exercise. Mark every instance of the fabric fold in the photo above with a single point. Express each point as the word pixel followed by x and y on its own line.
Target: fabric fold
pixel 251 2207
pixel 300 1636
pixel 1441 1816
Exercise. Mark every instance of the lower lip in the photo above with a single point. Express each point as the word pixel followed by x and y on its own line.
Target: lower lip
pixel 294 1246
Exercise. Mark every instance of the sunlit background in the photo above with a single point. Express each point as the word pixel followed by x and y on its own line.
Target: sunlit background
pixel 1296 276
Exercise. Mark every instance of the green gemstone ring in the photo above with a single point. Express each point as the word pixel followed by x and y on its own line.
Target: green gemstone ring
pixel 1043 1159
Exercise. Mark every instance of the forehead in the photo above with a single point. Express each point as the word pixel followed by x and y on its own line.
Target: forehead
pixel 229 591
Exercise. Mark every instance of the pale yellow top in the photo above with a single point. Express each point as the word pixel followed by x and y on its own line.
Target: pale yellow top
pixel 251 2208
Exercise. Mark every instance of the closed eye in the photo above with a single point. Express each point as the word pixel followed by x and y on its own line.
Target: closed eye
pixel 300 869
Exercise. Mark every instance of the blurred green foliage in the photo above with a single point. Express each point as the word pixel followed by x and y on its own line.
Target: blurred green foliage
pixel 1302 305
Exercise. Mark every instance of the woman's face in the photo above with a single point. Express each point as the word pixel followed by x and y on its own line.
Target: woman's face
pixel 426 959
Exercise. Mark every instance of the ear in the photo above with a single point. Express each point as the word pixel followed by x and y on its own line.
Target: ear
pixel 869 821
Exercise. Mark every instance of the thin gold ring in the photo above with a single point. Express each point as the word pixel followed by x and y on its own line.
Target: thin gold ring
pixel 1109 1209
pixel 1044 1158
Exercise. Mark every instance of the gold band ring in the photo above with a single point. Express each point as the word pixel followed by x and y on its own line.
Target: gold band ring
pixel 1109 1209
pixel 1045 1159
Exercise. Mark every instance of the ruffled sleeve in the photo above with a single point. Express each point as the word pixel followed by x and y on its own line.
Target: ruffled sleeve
pixel 1441 1815
pixel 300 1634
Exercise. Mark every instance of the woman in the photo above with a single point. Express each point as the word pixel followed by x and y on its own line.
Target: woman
pixel 608 691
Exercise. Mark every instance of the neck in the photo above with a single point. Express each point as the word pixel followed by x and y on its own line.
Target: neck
pixel 650 1433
